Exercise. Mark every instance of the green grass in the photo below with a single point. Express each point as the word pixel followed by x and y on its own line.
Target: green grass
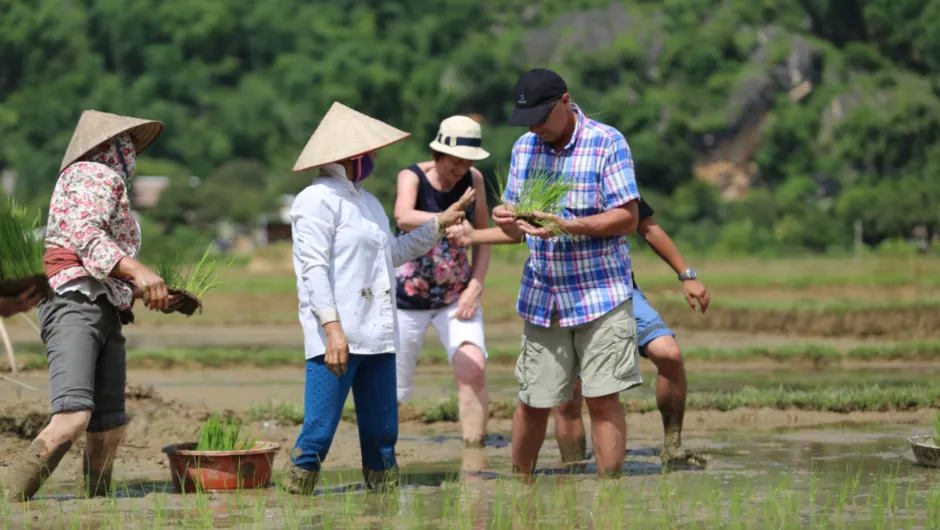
pixel 260 357
pixel 21 249
pixel 218 434
pixel 857 398
pixel 856 497
pixel 786 273
pixel 936 430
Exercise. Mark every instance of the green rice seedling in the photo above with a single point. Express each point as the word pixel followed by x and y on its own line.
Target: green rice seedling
pixel 204 277
pixel 21 248
pixel 542 191
pixel 169 269
pixel 220 435
pixel 192 287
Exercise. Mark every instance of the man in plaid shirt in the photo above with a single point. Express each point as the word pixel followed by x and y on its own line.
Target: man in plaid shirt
pixel 576 292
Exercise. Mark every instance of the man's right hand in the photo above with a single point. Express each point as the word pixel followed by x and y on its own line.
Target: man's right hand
pixel 505 219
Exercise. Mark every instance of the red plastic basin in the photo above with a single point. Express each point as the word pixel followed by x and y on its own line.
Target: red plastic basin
pixel 220 470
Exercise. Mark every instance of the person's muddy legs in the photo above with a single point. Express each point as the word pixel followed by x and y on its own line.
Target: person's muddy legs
pixel 671 391
pixel 98 461
pixel 528 434
pixel 472 393
pixel 609 434
pixel 569 428
pixel 32 467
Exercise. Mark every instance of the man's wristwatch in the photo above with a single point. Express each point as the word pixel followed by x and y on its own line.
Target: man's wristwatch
pixel 689 274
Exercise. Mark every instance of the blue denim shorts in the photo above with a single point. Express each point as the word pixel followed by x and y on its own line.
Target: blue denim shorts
pixel 649 325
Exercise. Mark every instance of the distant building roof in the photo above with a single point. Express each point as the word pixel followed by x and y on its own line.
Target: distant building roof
pixel 147 190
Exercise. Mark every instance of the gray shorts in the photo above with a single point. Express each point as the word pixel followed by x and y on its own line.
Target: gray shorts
pixel 87 358
pixel 603 351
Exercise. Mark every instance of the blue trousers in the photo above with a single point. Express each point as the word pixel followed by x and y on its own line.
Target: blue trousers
pixel 372 380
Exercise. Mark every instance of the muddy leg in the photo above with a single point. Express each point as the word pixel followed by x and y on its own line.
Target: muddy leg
pixel 671 391
pixel 569 428
pixel 98 462
pixel 473 398
pixel 528 434
pixel 609 433
pixel 32 467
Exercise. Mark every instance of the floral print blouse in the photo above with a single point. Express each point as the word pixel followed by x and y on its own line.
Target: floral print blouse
pixel 90 214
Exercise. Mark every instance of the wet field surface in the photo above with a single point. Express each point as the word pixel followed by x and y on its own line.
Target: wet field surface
pixel 851 478
pixel 767 467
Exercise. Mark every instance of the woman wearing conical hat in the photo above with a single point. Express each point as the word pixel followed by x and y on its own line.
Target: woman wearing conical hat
pixel 92 241
pixel 344 257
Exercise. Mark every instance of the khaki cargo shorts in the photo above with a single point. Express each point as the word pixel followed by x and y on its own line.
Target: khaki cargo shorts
pixel 604 352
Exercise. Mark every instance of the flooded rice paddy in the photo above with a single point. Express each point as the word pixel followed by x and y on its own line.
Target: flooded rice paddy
pixel 767 468
pixel 858 478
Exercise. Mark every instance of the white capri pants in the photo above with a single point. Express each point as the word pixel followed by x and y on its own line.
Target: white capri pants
pixel 453 332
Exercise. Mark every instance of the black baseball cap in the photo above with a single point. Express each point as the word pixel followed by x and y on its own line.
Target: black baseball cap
pixel 536 91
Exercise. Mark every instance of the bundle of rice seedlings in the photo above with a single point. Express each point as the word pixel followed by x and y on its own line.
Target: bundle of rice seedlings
pixel 202 279
pixel 221 435
pixel 542 191
pixel 21 252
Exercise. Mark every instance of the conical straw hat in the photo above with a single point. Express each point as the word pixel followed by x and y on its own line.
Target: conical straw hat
pixel 96 127
pixel 343 133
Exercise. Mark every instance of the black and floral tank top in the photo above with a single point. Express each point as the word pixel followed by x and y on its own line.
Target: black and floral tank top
pixel 436 279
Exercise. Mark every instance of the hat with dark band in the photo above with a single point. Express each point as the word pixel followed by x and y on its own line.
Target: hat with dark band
pixel 460 136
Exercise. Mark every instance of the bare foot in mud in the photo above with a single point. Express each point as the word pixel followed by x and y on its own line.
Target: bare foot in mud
pixel 679 457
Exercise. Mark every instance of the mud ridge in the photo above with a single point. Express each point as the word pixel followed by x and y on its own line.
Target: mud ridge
pixel 901 324
pixel 145 407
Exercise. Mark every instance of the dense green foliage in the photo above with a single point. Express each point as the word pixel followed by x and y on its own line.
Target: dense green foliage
pixel 241 85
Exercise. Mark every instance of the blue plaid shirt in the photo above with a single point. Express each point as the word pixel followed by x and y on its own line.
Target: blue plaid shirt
pixel 582 277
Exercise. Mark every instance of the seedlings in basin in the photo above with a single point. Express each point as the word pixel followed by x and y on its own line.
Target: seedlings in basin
pixel 222 435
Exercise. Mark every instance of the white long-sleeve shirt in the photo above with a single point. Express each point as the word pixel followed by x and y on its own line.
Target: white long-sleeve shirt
pixel 344 258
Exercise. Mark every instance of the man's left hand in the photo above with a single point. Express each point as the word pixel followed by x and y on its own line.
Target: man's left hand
pixel 695 290
pixel 548 222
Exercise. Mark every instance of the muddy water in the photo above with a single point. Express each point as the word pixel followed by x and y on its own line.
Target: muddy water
pixel 856 478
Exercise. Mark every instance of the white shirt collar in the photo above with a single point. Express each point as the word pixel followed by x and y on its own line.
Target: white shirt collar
pixel 338 172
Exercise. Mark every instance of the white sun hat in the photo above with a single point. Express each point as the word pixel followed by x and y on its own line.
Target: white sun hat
pixel 344 133
pixel 460 136
pixel 96 127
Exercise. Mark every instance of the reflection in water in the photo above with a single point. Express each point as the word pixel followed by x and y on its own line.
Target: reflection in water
pixel 495 441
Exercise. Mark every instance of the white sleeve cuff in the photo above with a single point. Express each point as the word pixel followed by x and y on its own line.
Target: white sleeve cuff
pixel 326 315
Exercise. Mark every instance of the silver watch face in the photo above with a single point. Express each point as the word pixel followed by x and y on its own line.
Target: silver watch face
pixel 688 275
